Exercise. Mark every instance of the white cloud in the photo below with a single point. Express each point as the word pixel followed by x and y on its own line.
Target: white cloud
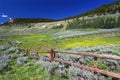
pixel 10 18
pixel 1 23
pixel 4 16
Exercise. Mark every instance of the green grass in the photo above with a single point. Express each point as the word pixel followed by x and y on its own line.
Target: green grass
pixel 35 41
pixel 93 41
pixel 100 64
pixel 43 42
pixel 90 40
pixel 34 72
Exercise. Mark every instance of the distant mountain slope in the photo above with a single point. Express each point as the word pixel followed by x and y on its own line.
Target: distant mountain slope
pixel 32 20
pixel 103 10
pixel 28 20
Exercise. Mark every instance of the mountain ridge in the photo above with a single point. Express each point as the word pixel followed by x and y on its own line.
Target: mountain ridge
pixel 111 8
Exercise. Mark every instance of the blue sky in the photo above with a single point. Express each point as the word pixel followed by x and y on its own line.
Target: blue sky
pixel 55 9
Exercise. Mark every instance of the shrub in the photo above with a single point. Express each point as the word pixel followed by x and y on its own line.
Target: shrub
pixel 58 26
pixel 99 22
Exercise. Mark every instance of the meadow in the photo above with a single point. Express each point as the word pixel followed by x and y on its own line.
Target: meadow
pixel 44 42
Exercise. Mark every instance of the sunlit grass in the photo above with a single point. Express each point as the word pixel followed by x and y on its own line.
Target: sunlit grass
pixel 43 42
pixel 95 42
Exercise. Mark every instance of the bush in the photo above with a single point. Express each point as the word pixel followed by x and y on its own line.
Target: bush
pixel 58 26
pixel 99 22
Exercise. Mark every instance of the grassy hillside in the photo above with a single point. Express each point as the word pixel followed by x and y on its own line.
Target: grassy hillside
pixel 94 19
pixel 98 22
pixel 103 10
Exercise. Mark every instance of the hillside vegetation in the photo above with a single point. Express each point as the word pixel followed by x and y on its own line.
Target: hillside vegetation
pixel 27 21
pixel 16 65
pixel 98 22
pixel 103 10
pixel 95 19
pixel 106 17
